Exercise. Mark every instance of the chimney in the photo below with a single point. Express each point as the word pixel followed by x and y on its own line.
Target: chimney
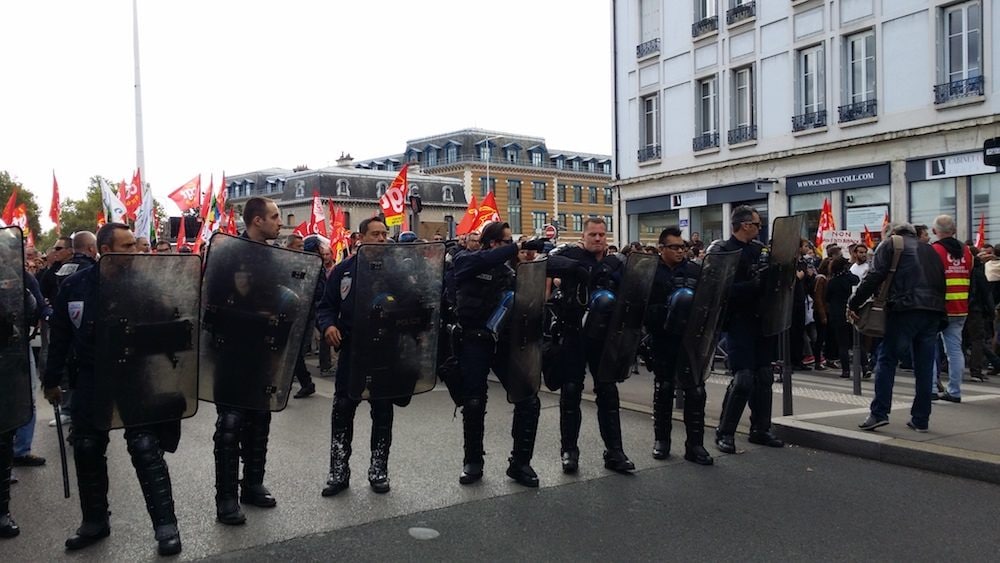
pixel 345 160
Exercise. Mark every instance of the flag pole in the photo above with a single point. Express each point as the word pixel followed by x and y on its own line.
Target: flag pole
pixel 140 155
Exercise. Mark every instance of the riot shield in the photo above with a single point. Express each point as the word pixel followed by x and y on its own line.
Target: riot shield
pixel 779 277
pixel 255 306
pixel 149 308
pixel 525 318
pixel 625 328
pixel 397 312
pixel 702 329
pixel 15 373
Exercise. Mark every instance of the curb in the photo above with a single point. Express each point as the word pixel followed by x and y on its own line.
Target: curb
pixel 929 457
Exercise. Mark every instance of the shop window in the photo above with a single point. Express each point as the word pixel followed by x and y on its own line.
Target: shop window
pixel 865 207
pixel 810 206
pixel 929 199
pixel 651 224
pixel 986 203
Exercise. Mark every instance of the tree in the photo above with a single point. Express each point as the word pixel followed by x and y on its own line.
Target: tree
pixel 24 195
pixel 81 214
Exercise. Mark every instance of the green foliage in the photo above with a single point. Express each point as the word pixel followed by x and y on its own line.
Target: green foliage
pixel 81 214
pixel 24 195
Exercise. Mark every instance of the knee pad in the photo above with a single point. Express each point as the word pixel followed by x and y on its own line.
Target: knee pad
pixel 530 405
pixel 144 448
pixel 607 396
pixel 571 390
pixel 227 428
pixel 695 394
pixel 743 382
pixel 88 446
pixel 473 404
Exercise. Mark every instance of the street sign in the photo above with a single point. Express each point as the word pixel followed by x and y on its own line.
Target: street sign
pixel 991 152
pixel 549 232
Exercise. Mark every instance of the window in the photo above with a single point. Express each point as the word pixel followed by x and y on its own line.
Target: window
pixel 538 191
pixel 452 154
pixel 511 155
pixel 592 194
pixel 743 97
pixel 607 219
pixel 860 67
pixel 963 41
pixel 707 111
pixel 343 188
pixel 577 194
pixel 591 167
pixel 432 157
pixel 931 198
pixel 650 130
pixel 390 166
pixel 812 80
pixel 577 222
pixel 607 168
pixel 560 163
pixel 514 190
pixel 576 164
pixel 380 189
pixel 538 220
pixel 561 193
pixel 514 216
pixel 413 191
pixel 447 194
pixel 536 159
pixel 300 189
pixel 650 20
pixel 562 220
pixel 704 9
pixel 608 196
pixel 986 203
pixel 484 151
pixel 482 186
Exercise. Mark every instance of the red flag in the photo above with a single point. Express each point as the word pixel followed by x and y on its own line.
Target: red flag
pixel 317 220
pixel 826 223
pixel 20 217
pixel 885 222
pixel 221 198
pixel 465 225
pixel 231 224
pixel 868 238
pixel 100 219
pixel 394 199
pixel 188 195
pixel 487 212
pixel 54 211
pixel 206 200
pixel 8 210
pixel 981 232
pixel 302 230
pixel 181 234
pixel 133 194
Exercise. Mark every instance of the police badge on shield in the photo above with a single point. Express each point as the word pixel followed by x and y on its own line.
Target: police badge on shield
pixel 345 286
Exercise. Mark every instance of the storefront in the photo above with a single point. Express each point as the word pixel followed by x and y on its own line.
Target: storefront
pixel 705 212
pixel 862 195
pixel 959 185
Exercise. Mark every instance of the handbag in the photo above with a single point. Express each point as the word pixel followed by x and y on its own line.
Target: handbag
pixel 872 315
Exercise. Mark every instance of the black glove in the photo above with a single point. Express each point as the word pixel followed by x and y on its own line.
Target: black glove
pixel 538 245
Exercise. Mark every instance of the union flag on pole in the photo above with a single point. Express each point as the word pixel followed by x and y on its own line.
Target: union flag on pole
pixel 981 232
pixel 868 238
pixel 394 199
pixel 133 194
pixel 826 223
pixel 469 220
pixel 54 211
pixel 8 210
pixel 487 212
pixel 187 196
pixel 317 218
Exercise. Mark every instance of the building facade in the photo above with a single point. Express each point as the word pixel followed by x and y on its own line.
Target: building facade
pixel 533 185
pixel 879 106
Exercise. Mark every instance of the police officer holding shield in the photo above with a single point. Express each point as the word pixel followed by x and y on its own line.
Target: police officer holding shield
pixel 334 318
pixel 73 328
pixel 750 352
pixel 483 278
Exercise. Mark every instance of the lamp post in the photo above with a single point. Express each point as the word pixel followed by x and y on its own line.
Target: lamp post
pixel 489 157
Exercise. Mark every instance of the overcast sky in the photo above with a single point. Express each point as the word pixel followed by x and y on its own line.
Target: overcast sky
pixel 239 85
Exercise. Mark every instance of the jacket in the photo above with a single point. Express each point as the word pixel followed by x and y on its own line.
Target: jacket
pixel 918 284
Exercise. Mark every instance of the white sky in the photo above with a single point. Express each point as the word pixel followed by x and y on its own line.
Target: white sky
pixel 239 85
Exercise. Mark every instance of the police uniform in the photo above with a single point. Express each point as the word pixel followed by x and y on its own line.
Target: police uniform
pixel 482 278
pixel 337 309
pixel 749 352
pixel 580 273
pixel 72 329
pixel 669 301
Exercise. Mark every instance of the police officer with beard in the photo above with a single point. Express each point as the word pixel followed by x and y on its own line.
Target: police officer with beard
pixel 334 318
pixel 575 352
pixel 750 353
pixel 482 277
pixel 72 327
pixel 673 288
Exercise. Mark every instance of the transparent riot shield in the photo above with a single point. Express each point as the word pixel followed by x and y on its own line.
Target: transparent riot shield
pixel 149 308
pixel 524 325
pixel 625 328
pixel 701 332
pixel 255 306
pixel 779 277
pixel 397 311
pixel 15 373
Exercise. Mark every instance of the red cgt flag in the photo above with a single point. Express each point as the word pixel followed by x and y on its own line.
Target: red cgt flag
pixel 487 212
pixel 469 220
pixel 187 196
pixel 868 238
pixel 8 210
pixel 981 232
pixel 100 219
pixel 54 211
pixel 394 199
pixel 302 230
pixel 317 219
pixel 133 194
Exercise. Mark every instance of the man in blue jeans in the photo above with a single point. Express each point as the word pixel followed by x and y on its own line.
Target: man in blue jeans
pixel 915 311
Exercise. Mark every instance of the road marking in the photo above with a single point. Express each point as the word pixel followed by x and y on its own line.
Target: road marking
pixel 424 533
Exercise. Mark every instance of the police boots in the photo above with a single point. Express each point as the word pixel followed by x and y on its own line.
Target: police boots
pixel 473 423
pixel 227 467
pixel 663 393
pixel 92 481
pixel 760 410
pixel 733 404
pixel 523 430
pixel 378 472
pixel 253 441
pixel 8 528
pixel 154 479
pixel 694 424
pixel 570 419
pixel 342 424
pixel 609 421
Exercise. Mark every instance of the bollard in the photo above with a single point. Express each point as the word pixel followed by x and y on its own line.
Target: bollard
pixel 856 370
pixel 786 373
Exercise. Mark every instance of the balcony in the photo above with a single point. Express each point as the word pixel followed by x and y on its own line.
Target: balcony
pixel 859 110
pixel 743 134
pixel 705 141
pixel 741 12
pixel 968 88
pixel 651 152
pixel 812 120
pixel 703 26
pixel 648 48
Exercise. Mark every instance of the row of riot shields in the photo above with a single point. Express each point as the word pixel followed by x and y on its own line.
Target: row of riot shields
pixel 15 374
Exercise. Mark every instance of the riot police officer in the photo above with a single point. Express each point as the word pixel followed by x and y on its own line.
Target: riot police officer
pixel 334 317
pixel 749 352
pixel 669 305
pixel 574 353
pixel 482 277
pixel 72 327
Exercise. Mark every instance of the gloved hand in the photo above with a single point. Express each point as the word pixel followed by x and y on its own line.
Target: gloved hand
pixel 538 245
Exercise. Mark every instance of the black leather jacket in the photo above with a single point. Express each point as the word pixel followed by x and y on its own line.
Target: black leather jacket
pixel 917 285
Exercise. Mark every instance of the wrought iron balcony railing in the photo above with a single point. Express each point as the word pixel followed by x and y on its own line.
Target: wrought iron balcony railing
pixel 705 141
pixel 859 110
pixel 809 120
pixel 704 26
pixel 742 134
pixel 652 152
pixel 968 88
pixel 741 12
pixel 650 47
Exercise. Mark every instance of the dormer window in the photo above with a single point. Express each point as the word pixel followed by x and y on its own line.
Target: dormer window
pixel 300 188
pixel 447 194
pixel 576 165
pixel 536 159
pixel 484 152
pixel 591 167
pixel 380 189
pixel 413 191
pixel 343 188
pixel 432 157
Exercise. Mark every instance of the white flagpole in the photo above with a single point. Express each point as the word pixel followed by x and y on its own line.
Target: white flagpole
pixel 140 155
